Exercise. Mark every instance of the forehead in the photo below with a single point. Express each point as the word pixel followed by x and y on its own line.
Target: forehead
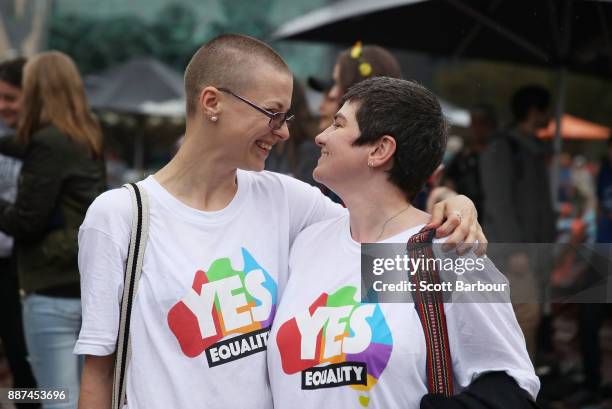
pixel 336 72
pixel 271 85
pixel 349 110
pixel 7 88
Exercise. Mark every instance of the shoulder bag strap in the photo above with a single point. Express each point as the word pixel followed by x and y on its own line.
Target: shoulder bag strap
pixel 430 308
pixel 138 242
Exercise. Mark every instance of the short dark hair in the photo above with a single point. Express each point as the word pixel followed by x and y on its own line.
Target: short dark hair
pixel 226 61
pixel 412 115
pixel 527 97
pixel 11 71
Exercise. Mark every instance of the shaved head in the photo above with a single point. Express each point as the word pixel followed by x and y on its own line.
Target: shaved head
pixel 227 61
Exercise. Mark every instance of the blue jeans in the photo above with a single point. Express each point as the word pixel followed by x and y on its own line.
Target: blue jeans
pixel 51 326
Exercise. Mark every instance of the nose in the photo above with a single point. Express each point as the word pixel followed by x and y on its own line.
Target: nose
pixel 320 139
pixel 283 132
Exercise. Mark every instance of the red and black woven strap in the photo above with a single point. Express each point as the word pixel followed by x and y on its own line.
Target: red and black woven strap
pixel 430 307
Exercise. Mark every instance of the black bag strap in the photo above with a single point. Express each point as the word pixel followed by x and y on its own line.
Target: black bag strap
pixel 133 269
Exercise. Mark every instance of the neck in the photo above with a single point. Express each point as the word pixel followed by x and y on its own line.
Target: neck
pixel 198 176
pixel 386 216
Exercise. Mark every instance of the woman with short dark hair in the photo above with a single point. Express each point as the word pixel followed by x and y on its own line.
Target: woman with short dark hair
pixel 333 346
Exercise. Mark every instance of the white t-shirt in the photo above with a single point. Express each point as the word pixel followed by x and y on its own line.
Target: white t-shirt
pixel 328 350
pixel 208 292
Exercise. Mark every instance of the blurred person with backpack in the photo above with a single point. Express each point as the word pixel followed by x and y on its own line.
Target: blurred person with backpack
pixel 518 203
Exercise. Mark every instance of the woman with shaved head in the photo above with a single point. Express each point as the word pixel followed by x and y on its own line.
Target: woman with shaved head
pixel 218 244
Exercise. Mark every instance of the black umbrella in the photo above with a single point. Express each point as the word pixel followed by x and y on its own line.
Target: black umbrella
pixel 574 34
pixel 564 35
pixel 140 86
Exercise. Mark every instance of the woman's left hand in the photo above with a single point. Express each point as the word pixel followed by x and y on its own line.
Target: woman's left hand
pixel 457 218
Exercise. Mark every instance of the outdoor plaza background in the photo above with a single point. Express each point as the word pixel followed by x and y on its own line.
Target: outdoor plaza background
pixel 132 55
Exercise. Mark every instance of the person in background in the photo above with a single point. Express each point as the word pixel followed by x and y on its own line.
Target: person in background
pixel 360 63
pixel 327 110
pixel 514 173
pixel 354 65
pixel 308 151
pixel 584 187
pixel 11 325
pixel 564 189
pixel 517 201
pixel 60 144
pixel 293 156
pixel 592 315
pixel 462 174
pixel 301 130
pixel 604 198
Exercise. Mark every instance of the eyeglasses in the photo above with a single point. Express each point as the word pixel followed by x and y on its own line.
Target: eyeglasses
pixel 277 119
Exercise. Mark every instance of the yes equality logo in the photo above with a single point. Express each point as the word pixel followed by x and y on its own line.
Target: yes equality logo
pixel 224 302
pixel 337 342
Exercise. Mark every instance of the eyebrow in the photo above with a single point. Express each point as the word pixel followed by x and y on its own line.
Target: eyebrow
pixel 274 105
pixel 339 116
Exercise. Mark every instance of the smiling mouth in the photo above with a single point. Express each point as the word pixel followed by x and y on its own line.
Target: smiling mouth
pixel 265 146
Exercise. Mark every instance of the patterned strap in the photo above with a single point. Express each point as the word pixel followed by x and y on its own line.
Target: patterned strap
pixel 133 268
pixel 430 307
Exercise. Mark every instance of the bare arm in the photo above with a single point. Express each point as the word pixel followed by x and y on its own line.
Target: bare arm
pixel 460 224
pixel 97 382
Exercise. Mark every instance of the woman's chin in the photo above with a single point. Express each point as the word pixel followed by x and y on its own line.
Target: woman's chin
pixel 317 175
pixel 323 179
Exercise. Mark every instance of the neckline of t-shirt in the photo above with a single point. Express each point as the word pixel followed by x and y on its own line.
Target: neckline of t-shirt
pixel 185 211
pixel 355 246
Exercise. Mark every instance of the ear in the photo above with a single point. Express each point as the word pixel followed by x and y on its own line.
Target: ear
pixel 209 101
pixel 382 152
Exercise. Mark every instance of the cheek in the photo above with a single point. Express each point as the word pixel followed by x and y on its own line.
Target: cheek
pixel 15 106
pixel 10 111
pixel 246 130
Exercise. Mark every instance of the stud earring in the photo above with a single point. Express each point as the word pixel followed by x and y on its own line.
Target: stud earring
pixel 214 118
pixel 370 164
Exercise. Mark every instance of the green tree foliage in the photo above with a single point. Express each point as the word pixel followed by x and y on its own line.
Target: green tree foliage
pixel 246 17
pixel 96 44
pixel 175 28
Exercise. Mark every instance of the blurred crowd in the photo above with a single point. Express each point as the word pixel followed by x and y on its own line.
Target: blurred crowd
pixel 52 167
